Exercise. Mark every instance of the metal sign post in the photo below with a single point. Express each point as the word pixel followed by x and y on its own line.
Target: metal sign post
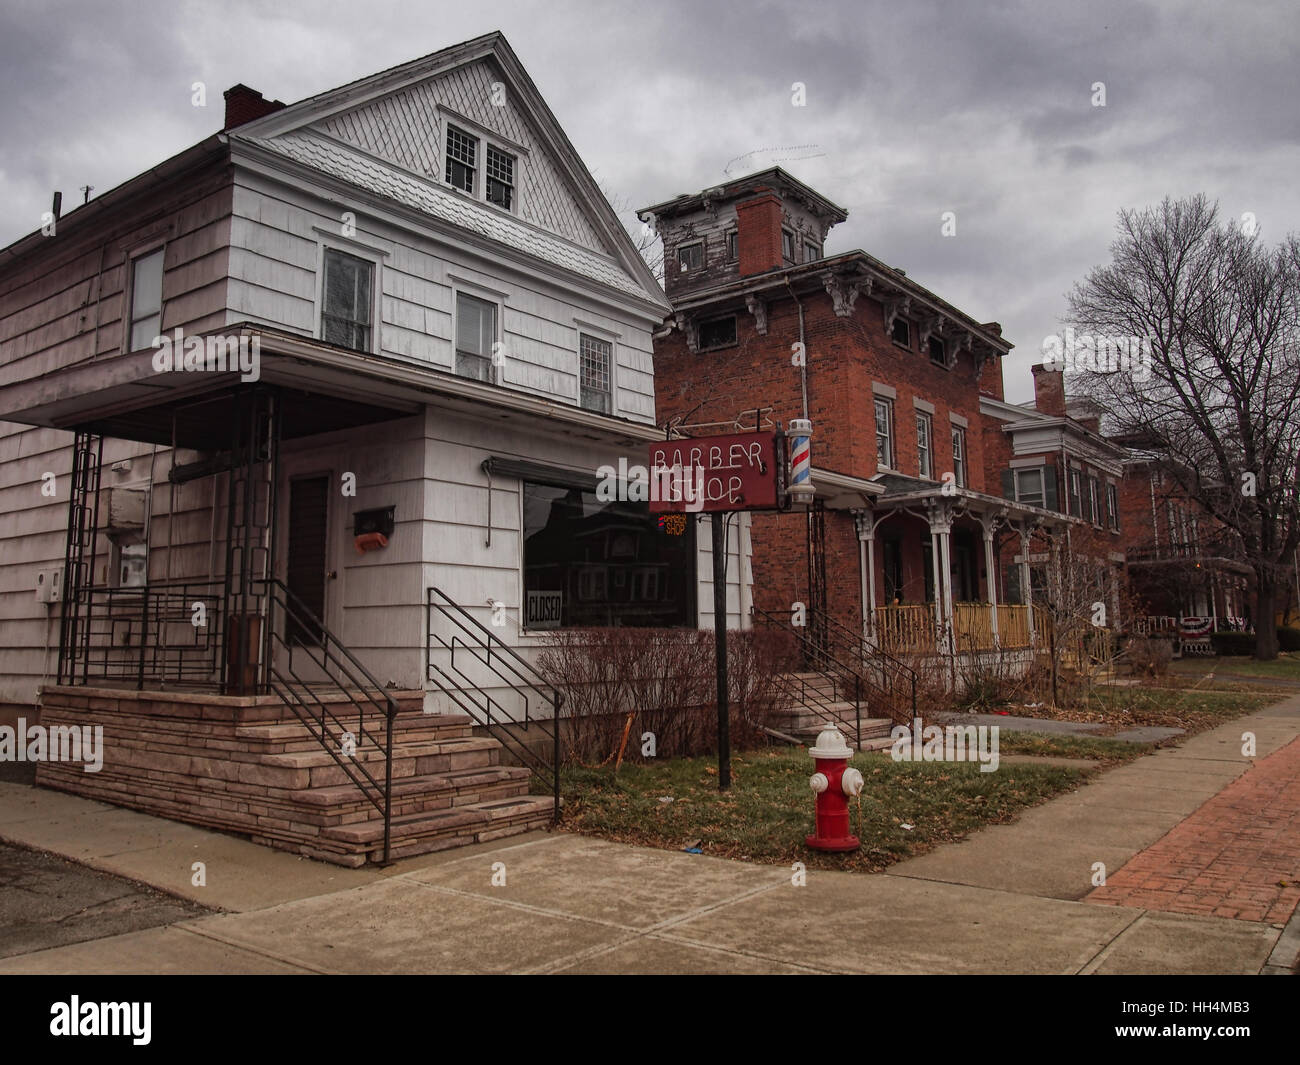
pixel 719 522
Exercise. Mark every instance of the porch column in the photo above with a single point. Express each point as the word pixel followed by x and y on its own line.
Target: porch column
pixel 987 524
pixel 866 525
pixel 940 545
pixel 1026 582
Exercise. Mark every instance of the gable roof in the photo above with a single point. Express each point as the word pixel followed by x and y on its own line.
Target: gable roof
pixel 381 155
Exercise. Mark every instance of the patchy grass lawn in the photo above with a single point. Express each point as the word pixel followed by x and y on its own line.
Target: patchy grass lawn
pixel 1124 708
pixel 769 809
pixel 1052 745
pixel 1285 667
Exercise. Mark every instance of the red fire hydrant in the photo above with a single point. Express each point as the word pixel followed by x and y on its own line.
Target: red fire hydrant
pixel 833 783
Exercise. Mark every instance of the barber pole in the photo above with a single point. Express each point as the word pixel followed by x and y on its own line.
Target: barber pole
pixel 801 486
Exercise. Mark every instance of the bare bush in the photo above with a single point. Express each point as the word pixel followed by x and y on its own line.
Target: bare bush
pixel 621 682
pixel 1150 657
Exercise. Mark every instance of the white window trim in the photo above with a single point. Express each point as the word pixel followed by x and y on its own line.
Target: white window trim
pixel 487 296
pixel 1042 483
pixel 357 251
pixel 142 251
pixel 483 135
pixel 600 332
pixel 891 465
pixel 690 244
pixel 929 417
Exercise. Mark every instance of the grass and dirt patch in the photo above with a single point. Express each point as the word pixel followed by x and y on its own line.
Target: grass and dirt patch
pixel 1121 708
pixel 907 808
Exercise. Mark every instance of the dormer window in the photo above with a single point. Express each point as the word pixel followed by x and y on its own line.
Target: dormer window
pixel 690 256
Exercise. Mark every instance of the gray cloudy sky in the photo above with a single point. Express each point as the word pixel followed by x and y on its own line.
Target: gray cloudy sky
pixel 914 109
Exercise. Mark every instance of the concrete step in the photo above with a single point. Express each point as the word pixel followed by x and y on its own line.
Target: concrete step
pixel 293 736
pixel 342 804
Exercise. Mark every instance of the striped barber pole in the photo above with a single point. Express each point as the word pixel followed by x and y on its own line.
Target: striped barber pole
pixel 801 486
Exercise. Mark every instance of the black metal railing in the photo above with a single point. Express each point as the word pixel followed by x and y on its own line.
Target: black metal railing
pixel 468 662
pixel 163 634
pixel 890 676
pixel 327 689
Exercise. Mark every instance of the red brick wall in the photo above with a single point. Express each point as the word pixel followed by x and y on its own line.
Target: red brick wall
pixel 758 234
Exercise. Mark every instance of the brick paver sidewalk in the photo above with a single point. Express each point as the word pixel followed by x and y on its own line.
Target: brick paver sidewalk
pixel 1237 856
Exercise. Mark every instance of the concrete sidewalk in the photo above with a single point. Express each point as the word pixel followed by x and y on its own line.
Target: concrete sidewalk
pixel 1007 900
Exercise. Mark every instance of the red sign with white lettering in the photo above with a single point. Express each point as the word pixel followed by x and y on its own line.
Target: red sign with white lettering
pixel 715 473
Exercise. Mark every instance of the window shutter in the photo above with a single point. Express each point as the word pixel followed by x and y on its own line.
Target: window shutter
pixel 1049 488
pixel 1008 484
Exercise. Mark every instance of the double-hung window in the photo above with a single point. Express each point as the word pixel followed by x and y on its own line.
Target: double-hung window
pixel 1029 487
pixel 500 178
pixel 462 159
pixel 959 456
pixel 595 357
pixel 476 332
pixel 347 306
pixel 1112 504
pixel 885 433
pixel 146 299
pixel 925 444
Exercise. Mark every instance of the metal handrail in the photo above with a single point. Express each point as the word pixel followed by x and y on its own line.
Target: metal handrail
pixel 514 671
pixel 361 682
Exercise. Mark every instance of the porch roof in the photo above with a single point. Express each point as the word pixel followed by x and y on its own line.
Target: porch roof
pixel 901 492
pixel 324 388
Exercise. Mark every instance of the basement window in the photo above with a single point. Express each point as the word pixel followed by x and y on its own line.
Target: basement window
pixel 591 563
pixel 718 333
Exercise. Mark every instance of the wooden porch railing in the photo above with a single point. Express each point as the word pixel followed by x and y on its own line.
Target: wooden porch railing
pixel 911 629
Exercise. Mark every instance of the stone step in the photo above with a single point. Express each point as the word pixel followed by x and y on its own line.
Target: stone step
pixel 344 804
pixel 873 728
pixel 293 736
pixel 457 827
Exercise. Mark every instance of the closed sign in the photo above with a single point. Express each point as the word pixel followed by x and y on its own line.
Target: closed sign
pixel 544 610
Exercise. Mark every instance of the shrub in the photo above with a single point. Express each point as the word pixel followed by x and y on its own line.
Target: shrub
pixel 666 680
pixel 1150 655
pixel 1243 643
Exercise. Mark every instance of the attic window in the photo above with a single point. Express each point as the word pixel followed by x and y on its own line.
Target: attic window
pixel 690 256
pixel 718 333
pixel 901 332
pixel 500 178
pixel 462 156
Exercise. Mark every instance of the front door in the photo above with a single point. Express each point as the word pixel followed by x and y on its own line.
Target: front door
pixel 306 558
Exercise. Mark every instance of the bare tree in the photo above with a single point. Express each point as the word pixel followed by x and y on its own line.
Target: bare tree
pixel 1192 344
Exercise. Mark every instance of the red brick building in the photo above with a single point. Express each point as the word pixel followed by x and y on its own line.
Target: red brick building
pixel 911 439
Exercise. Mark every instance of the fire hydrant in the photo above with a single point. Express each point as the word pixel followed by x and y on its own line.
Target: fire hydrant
pixel 833 783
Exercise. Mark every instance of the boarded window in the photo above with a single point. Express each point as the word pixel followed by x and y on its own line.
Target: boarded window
pixel 476 332
pixel 146 299
pixel 345 319
pixel 595 357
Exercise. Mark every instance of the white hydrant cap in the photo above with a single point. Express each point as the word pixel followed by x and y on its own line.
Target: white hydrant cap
pixel 831 744
pixel 852 782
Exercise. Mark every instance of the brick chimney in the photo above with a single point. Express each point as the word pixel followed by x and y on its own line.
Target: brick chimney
pixel 1049 390
pixel 244 104
pixel 758 233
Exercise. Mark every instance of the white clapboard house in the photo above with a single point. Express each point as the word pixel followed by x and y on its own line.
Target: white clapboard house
pixel 303 425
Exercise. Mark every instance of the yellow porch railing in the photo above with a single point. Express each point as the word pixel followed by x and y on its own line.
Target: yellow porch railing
pixel 911 628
